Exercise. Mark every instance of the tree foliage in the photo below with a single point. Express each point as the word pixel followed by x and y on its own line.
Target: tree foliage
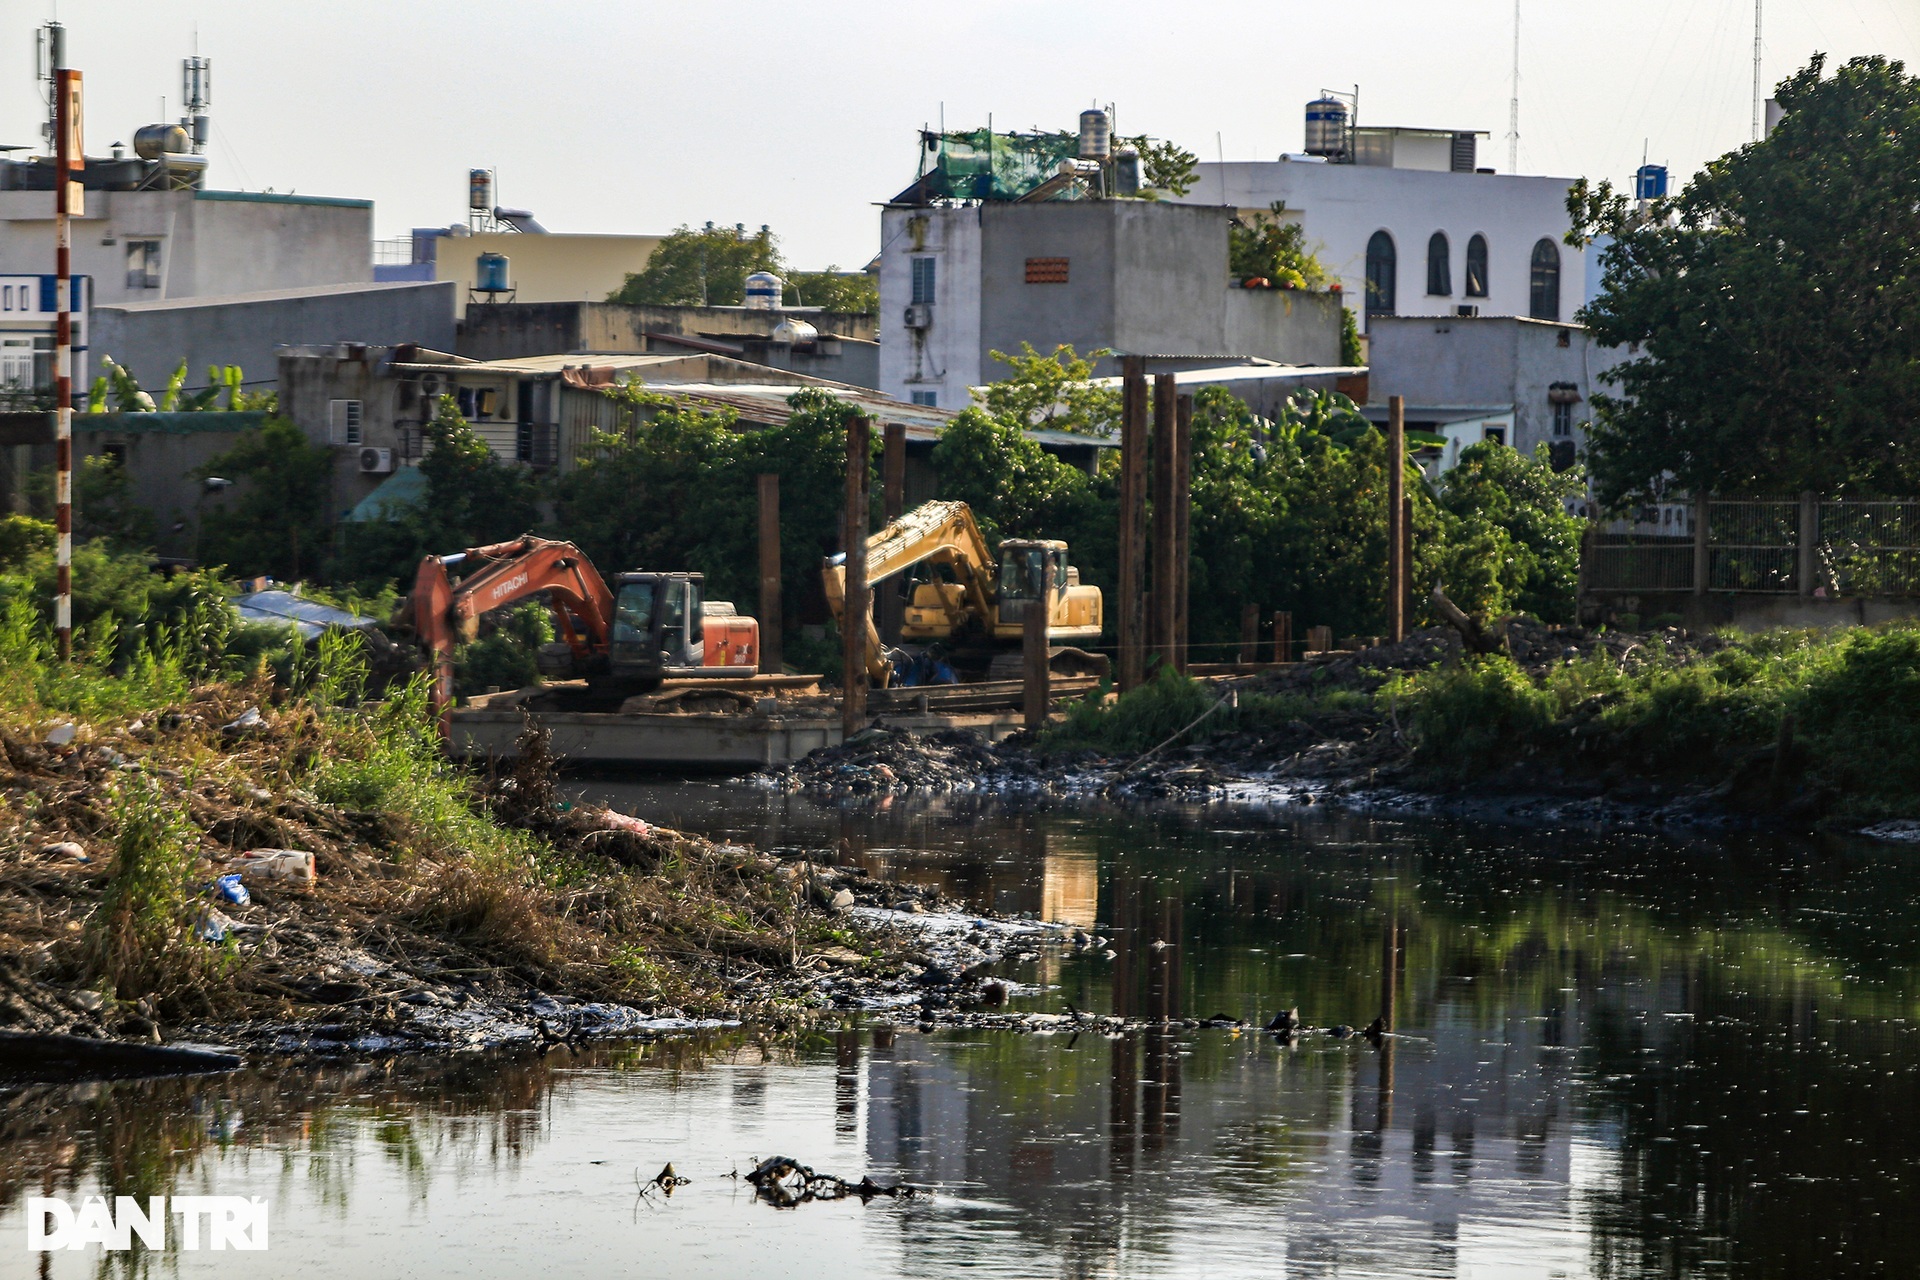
pixel 1509 512
pixel 675 487
pixel 276 520
pixel 472 499
pixel 1054 391
pixel 708 267
pixel 853 292
pixel 1774 301
pixel 1165 166
pixel 1268 246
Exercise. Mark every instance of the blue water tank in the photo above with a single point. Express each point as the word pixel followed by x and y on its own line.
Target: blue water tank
pixel 490 274
pixel 1650 182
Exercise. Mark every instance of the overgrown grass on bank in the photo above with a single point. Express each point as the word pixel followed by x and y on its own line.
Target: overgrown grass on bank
pixel 418 857
pixel 1143 718
pixel 1853 696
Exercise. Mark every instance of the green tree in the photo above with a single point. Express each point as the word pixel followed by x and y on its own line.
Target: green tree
pixel 1512 509
pixel 1165 166
pixel 1269 247
pixel 1774 303
pixel 675 487
pixel 708 267
pixel 471 499
pixel 1054 392
pixel 276 521
pixel 103 505
pixel 852 292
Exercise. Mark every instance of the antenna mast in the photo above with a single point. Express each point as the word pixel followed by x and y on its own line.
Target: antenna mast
pixel 1513 106
pixel 1759 90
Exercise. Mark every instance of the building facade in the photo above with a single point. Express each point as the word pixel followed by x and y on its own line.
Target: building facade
pixel 1520 381
pixel 1405 235
pixel 959 282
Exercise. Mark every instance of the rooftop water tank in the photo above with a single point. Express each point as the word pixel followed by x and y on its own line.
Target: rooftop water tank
pixel 490 273
pixel 480 189
pixel 763 291
pixel 1650 182
pixel 794 333
pixel 151 141
pixel 1327 128
pixel 1126 171
pixel 1096 134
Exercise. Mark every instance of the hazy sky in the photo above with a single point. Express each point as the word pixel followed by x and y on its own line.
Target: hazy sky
pixel 637 116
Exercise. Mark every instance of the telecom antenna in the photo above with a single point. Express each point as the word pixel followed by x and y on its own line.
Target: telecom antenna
pixel 1513 105
pixel 196 91
pixel 1759 85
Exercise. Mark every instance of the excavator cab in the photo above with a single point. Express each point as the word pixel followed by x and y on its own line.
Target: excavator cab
pixel 1025 566
pixel 658 624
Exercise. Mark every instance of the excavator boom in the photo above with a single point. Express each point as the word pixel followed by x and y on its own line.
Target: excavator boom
pixel 941 532
pixel 444 613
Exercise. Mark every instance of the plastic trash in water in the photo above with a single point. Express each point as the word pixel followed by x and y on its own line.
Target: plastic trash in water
pixel 228 888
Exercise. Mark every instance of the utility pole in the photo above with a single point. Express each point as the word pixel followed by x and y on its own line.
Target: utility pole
pixel 1131 622
pixel 1759 86
pixel 68 158
pixel 857 611
pixel 1513 105
pixel 1396 519
pixel 771 655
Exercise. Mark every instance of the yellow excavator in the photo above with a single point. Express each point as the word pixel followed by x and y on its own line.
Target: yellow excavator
pixel 970 600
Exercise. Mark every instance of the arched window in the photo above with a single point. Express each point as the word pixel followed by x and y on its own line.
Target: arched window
pixel 1382 266
pixel 1477 266
pixel 1439 266
pixel 1543 298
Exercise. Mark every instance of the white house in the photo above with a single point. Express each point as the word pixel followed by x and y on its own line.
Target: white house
pixel 1411 227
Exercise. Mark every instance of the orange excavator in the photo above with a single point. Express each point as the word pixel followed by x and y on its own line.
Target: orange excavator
pixel 624 638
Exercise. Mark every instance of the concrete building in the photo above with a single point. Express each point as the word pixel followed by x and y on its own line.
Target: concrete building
pixel 838 346
pixel 1521 381
pixel 542 266
pixel 961 281
pixel 372 403
pixel 28 304
pixel 143 246
pixel 151 338
pixel 1409 225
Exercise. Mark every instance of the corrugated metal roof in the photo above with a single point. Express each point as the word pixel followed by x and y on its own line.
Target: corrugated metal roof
pixel 283 607
pixel 764 403
pixel 1251 373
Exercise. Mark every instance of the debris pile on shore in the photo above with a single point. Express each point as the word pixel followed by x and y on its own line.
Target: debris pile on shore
pixel 883 760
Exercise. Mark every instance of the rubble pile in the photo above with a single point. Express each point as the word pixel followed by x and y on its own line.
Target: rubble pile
pixel 882 761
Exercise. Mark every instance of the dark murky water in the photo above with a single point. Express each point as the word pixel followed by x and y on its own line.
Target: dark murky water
pixel 1619 1056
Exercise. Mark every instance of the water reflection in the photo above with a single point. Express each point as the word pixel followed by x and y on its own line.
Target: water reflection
pixel 1615 1057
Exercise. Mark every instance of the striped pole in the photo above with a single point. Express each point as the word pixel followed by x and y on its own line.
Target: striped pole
pixel 66 88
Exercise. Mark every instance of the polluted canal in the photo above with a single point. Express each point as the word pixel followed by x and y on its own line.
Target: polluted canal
pixel 1610 1054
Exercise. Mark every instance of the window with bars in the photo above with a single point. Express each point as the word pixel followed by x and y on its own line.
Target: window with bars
pixel 928 398
pixel 923 279
pixel 343 422
pixel 1046 271
pixel 538 444
pixel 143 264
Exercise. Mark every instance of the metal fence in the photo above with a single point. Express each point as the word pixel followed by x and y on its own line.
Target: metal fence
pixel 1768 546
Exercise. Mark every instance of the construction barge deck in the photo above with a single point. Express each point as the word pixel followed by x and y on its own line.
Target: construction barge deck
pixel 732 726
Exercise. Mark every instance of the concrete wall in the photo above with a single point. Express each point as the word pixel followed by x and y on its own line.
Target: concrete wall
pixel 151 338
pixel 163 454
pixel 544 268
pixel 309 379
pixel 1490 361
pixel 945 359
pixel 1284 324
pixel 1340 206
pixel 212 242
pixel 508 330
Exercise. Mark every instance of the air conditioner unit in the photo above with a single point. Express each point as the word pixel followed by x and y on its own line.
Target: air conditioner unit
pixel 919 315
pixel 1467 309
pixel 376 462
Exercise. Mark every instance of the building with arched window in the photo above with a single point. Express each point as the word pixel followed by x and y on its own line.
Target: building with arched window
pixel 1383 273
pixel 1412 188
pixel 1543 288
pixel 1439 267
pixel 1477 266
